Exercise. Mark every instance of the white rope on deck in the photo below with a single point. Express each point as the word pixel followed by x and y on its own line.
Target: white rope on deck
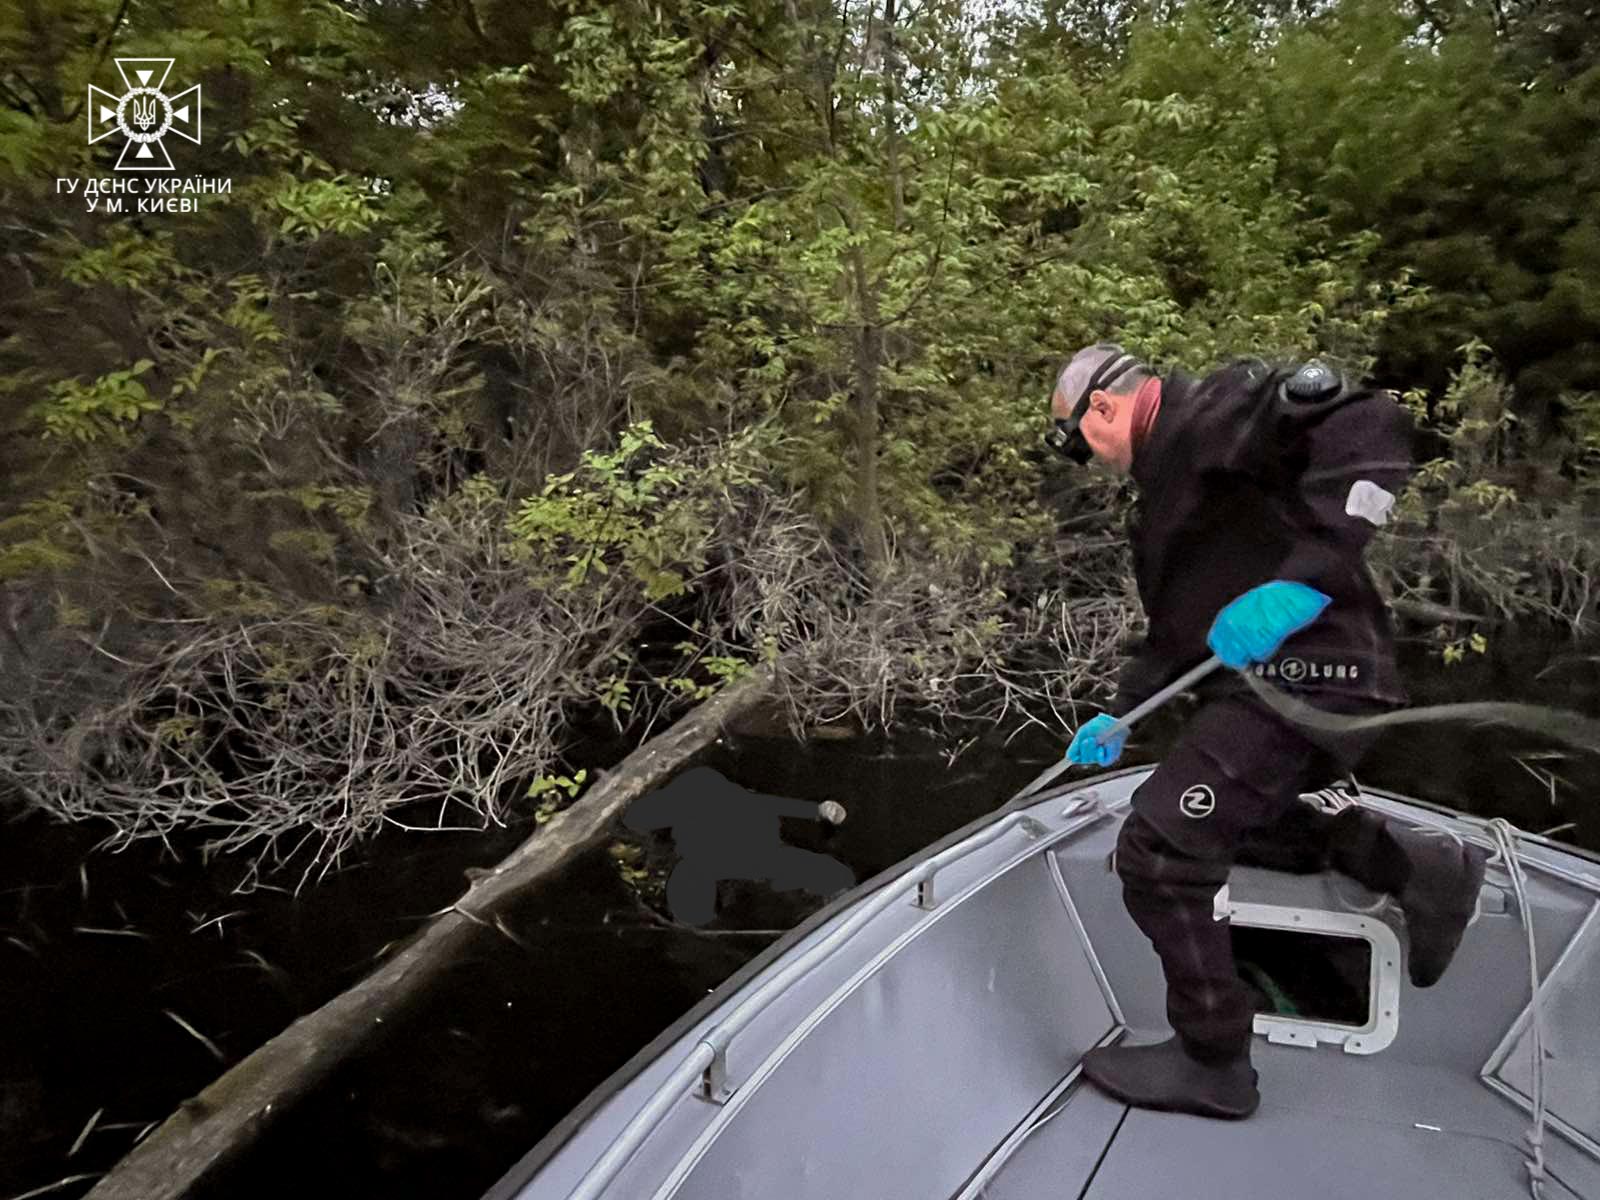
pixel 1505 837
pixel 1335 799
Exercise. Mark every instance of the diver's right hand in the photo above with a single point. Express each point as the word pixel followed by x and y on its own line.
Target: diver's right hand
pixel 1088 751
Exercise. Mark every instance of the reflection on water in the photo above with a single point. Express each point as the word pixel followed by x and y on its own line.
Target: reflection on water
pixel 93 967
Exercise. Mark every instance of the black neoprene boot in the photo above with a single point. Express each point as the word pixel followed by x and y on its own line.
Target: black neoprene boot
pixel 1439 899
pixel 1165 1077
pixel 1433 877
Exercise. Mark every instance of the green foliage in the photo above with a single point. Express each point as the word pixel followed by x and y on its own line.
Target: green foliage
pixel 1477 527
pixel 650 520
pixel 350 504
pixel 310 542
pixel 104 407
pixel 312 207
pixel 553 786
pixel 32 541
pixel 629 861
pixel 249 316
pixel 241 599
pixel 722 668
pixel 490 271
pixel 1455 650
pixel 124 260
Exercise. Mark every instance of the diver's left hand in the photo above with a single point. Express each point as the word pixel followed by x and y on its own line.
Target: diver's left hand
pixel 1251 628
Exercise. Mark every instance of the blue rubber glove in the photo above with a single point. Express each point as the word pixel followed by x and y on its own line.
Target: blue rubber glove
pixel 1251 628
pixel 1087 751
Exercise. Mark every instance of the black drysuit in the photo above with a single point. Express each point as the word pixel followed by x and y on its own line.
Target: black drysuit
pixel 1239 485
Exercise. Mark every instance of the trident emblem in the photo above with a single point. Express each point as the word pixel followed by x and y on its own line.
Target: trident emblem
pixel 144 114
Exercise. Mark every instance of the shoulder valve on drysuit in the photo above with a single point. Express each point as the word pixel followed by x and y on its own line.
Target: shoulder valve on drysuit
pixel 1313 384
pixel 1296 400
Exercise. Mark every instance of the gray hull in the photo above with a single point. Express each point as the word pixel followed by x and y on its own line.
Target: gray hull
pixel 920 1039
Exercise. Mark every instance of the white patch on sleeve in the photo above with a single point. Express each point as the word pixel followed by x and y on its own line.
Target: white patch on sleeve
pixel 1368 500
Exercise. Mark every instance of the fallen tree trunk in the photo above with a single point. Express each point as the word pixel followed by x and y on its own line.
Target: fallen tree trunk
pixel 1438 614
pixel 211 1128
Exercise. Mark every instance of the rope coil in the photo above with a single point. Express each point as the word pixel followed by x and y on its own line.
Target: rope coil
pixel 1507 856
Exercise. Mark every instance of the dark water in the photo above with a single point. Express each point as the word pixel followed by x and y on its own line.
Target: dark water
pixel 518 1032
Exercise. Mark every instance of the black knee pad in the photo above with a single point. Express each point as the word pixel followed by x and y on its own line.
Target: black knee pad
pixel 1140 849
pixel 1145 857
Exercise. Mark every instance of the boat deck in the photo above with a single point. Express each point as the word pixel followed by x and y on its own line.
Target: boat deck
pixel 923 1039
pixel 1349 1130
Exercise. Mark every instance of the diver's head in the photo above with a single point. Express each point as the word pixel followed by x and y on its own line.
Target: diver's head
pixel 1093 406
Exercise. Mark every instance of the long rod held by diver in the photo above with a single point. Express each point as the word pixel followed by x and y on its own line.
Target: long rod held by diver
pixel 1187 680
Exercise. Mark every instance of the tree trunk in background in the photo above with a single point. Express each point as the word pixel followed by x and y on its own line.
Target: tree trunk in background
pixel 869 510
pixel 891 82
pixel 872 338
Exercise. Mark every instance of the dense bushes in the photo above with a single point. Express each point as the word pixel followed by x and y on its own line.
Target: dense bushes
pixel 525 325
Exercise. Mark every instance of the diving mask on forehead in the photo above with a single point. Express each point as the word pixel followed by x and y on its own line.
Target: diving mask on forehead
pixel 1067 436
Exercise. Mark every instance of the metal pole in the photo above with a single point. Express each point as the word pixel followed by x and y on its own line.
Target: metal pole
pixel 1186 680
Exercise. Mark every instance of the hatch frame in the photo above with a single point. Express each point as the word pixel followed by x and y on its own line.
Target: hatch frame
pixel 1383 978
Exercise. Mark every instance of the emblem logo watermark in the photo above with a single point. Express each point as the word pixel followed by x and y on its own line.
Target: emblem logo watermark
pixel 144 114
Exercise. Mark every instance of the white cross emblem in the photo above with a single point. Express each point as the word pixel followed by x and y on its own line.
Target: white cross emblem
pixel 144 114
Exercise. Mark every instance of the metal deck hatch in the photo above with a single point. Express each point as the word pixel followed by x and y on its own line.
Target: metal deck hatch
pixel 1311 1029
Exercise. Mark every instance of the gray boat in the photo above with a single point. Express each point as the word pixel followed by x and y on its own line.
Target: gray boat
pixel 920 1038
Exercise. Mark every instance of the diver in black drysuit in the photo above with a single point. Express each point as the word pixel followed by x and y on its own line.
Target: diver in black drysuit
pixel 721 831
pixel 1258 486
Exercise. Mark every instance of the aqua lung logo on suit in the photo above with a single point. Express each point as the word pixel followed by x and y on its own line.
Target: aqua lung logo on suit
pixel 1300 670
pixel 144 114
pixel 1198 801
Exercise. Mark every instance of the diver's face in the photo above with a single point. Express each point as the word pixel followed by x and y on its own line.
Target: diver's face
pixel 1107 426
